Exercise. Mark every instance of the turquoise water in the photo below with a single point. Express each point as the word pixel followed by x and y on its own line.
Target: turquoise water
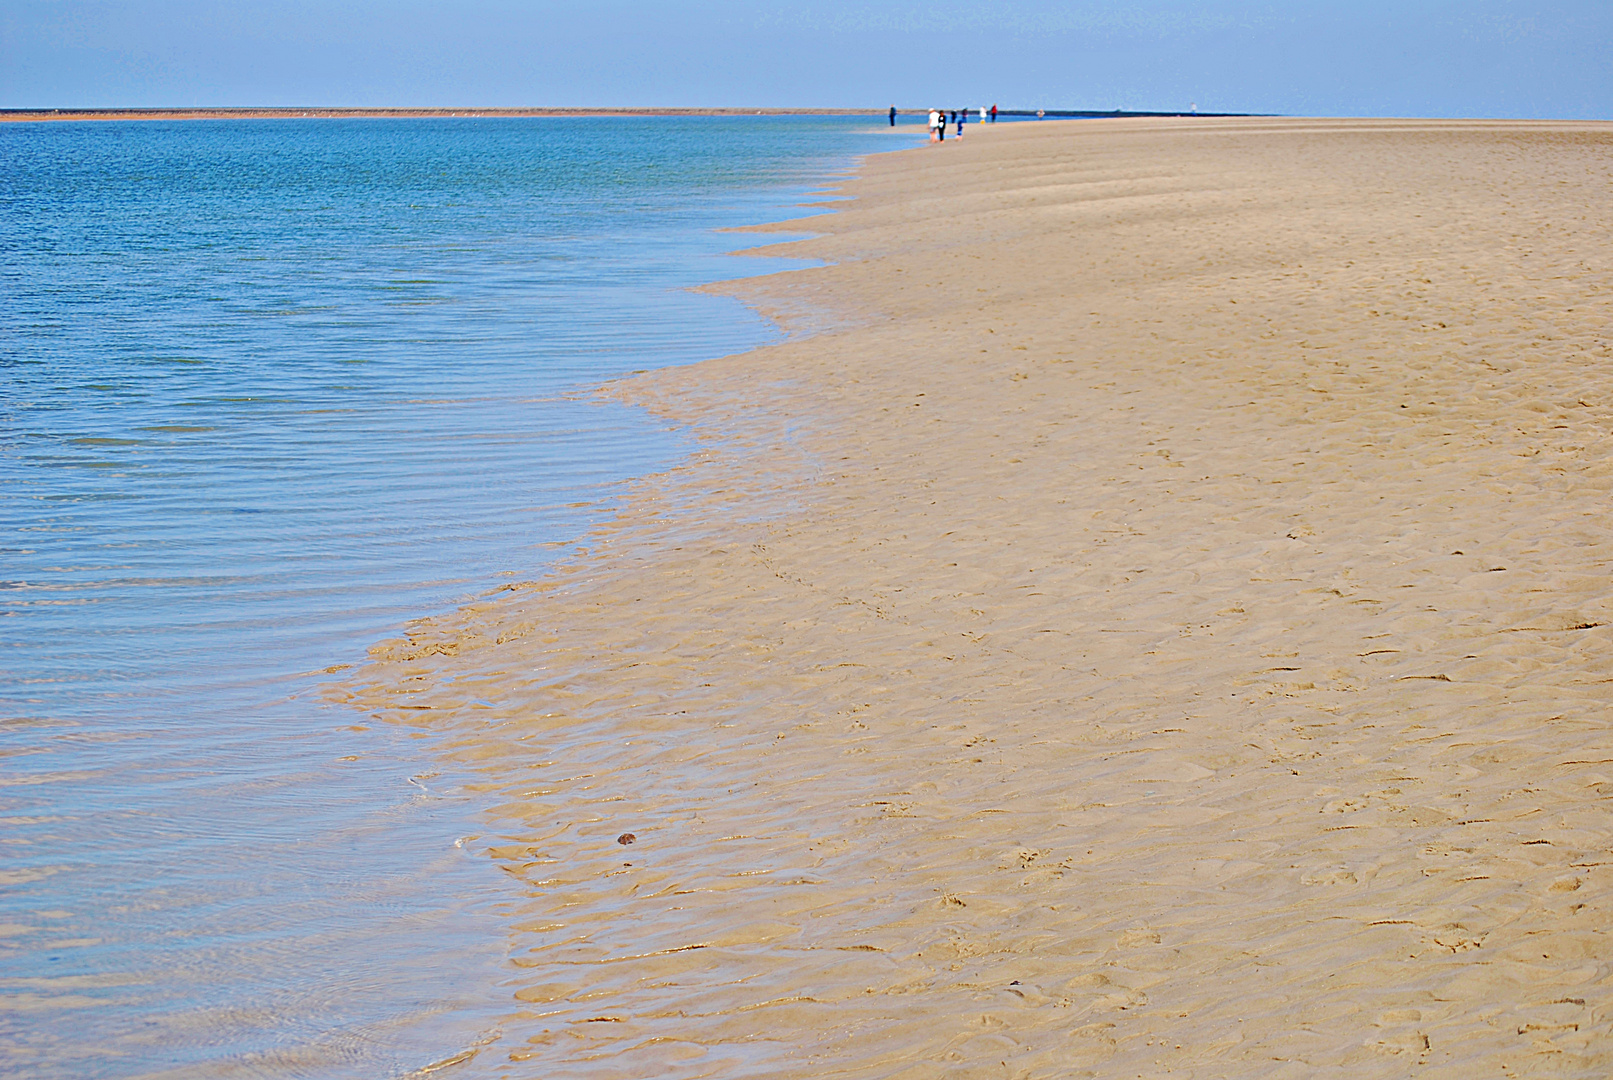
pixel 269 389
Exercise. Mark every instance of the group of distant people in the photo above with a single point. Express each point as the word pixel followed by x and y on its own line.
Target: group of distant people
pixel 940 118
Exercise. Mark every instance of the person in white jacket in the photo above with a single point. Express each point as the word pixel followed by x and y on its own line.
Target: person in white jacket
pixel 935 126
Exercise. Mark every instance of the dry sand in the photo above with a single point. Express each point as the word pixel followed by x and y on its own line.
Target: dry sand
pixel 1159 626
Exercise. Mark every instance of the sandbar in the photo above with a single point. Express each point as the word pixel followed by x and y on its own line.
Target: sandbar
pixel 1151 617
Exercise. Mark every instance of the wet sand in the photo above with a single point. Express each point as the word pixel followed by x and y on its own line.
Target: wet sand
pixel 1158 624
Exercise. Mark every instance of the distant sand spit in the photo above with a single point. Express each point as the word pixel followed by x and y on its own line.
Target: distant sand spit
pixel 1160 623
pixel 292 112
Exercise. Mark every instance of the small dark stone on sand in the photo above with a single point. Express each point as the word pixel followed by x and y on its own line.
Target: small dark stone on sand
pixel 626 838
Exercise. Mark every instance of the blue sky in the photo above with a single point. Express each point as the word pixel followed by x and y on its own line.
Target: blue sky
pixel 1439 58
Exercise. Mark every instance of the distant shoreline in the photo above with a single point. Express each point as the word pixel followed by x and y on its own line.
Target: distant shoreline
pixel 313 112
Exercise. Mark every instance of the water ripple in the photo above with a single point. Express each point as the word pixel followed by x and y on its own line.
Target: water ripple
pixel 271 388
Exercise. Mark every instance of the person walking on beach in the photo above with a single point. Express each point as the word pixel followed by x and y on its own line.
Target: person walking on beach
pixel 993 113
pixel 962 115
pixel 893 116
pixel 935 120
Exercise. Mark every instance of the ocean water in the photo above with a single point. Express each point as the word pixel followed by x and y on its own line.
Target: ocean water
pixel 268 390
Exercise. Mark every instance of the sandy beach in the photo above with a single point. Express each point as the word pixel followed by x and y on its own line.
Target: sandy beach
pixel 1152 618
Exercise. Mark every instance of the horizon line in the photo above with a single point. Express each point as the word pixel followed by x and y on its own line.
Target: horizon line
pixel 471 112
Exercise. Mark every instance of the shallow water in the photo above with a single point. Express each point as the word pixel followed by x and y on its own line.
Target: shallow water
pixel 271 388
